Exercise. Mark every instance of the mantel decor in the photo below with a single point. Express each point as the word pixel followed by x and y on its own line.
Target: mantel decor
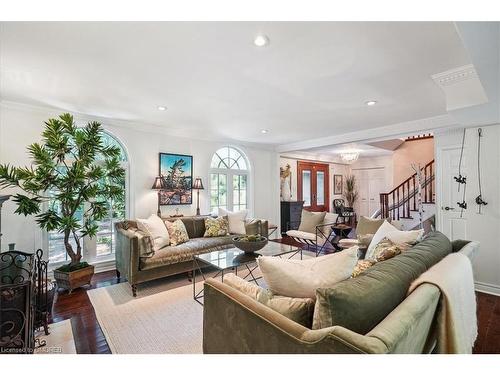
pixel 77 176
pixel 177 170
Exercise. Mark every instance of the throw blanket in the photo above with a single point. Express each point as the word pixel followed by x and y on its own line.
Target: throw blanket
pixel 456 319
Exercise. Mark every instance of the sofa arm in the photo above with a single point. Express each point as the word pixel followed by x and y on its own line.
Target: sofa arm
pixel 236 323
pixel 127 253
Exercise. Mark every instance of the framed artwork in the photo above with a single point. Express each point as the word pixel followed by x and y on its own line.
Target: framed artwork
pixel 177 170
pixel 338 182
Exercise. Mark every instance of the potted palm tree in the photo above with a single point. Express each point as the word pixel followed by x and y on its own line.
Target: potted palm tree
pixel 72 171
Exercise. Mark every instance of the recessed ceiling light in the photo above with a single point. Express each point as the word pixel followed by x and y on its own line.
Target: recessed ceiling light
pixel 261 40
pixel 162 108
pixel 371 102
pixel 264 131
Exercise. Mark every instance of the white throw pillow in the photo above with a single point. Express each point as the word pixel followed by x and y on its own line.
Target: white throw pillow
pixel 405 237
pixel 236 220
pixel 301 278
pixel 379 235
pixel 155 228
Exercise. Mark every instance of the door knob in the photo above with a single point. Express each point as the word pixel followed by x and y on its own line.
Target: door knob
pixel 449 208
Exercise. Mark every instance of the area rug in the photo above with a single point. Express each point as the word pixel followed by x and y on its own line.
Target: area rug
pixel 158 321
pixel 60 339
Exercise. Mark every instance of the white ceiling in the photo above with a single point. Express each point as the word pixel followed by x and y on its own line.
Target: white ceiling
pixel 311 81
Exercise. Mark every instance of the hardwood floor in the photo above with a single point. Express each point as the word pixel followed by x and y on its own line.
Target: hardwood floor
pixel 90 339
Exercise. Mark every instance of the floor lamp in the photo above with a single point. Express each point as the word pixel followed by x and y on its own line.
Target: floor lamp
pixel 198 185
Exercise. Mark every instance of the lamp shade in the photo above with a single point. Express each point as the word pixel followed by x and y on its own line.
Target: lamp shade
pixel 198 184
pixel 159 183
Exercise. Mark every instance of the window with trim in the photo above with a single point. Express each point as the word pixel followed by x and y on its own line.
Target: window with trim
pixel 101 247
pixel 229 175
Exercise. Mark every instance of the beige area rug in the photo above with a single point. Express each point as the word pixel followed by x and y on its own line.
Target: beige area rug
pixel 59 341
pixel 160 320
pixel 157 321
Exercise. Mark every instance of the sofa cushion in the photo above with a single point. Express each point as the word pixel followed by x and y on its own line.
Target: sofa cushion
pixel 216 227
pixel 236 220
pixel 299 310
pixel 360 303
pixel 177 232
pixel 367 225
pixel 185 251
pixel 155 228
pixel 309 221
pixel 301 278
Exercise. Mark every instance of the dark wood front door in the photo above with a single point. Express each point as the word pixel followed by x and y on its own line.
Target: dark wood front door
pixel 313 186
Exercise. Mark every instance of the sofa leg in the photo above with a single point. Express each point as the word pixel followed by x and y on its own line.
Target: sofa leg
pixel 118 275
pixel 190 276
pixel 134 290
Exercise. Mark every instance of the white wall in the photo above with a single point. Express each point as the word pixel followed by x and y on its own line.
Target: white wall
pixel 22 125
pixel 334 168
pixel 484 227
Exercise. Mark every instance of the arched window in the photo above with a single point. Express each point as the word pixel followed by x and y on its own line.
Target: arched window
pixel 102 247
pixel 229 180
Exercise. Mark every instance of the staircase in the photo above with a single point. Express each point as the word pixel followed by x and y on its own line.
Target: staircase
pixel 401 203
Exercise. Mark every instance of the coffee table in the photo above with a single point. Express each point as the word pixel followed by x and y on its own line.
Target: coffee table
pixel 233 258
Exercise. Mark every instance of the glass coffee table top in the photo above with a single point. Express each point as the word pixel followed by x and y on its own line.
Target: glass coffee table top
pixel 234 257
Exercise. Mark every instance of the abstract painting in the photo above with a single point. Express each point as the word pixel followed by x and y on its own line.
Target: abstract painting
pixel 177 170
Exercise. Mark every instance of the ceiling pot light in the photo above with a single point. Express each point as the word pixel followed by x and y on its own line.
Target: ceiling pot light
pixel 162 108
pixel 261 41
pixel 371 102
pixel 264 131
pixel 349 156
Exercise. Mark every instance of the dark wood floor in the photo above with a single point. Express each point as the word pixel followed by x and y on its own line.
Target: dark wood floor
pixel 90 339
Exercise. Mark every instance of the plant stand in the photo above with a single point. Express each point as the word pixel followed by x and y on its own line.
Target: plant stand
pixel 74 279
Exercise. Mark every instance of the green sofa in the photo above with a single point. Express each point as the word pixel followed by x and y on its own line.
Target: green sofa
pixel 369 314
pixel 136 260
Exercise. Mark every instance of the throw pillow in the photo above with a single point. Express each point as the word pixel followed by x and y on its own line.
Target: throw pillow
pixel 309 221
pixel 177 231
pixel 379 236
pixel 406 237
pixel 368 225
pixel 362 266
pixel 216 227
pixel 154 227
pixel 253 227
pixel 301 278
pixel 365 239
pixel 236 220
pixel 299 310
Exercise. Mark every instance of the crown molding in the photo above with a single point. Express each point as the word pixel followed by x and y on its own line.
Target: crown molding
pixel 454 76
pixel 138 126
pixel 402 129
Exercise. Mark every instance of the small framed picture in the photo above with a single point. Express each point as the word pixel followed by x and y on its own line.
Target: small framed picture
pixel 338 182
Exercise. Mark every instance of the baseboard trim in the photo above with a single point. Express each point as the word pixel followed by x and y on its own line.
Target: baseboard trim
pixel 487 288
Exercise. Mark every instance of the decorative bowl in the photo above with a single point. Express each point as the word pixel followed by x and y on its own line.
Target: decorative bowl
pixel 250 243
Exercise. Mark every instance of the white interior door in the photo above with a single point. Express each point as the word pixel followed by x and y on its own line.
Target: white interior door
pixel 370 182
pixel 451 221
pixel 376 186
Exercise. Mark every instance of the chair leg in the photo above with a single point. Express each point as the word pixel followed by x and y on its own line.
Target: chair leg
pixel 190 275
pixel 118 275
pixel 134 290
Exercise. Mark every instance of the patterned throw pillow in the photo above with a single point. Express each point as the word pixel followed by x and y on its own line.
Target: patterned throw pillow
pixel 177 232
pixel 216 227
pixel 362 266
pixel 385 249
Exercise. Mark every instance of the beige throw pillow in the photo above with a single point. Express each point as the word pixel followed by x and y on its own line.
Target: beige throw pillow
pixel 177 231
pixel 299 310
pixel 301 278
pixel 236 220
pixel 309 221
pixel 154 227
pixel 368 225
pixel 406 237
pixel 379 235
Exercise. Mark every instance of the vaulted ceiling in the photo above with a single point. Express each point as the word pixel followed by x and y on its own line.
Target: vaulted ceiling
pixel 312 80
